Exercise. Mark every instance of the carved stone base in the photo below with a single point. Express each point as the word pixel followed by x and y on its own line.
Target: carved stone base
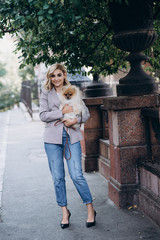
pixel 98 89
pixel 90 163
pixel 123 195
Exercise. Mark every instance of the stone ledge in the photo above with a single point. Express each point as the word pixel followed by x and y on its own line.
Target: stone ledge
pixel 94 100
pixel 154 168
pixel 134 102
pixel 105 141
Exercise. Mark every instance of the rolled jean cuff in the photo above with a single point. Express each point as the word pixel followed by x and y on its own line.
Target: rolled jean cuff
pixel 62 205
pixel 89 202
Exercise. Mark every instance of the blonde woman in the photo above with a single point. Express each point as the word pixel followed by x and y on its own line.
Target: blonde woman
pixel 54 141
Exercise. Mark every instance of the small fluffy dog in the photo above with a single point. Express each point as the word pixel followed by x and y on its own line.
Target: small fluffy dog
pixel 71 95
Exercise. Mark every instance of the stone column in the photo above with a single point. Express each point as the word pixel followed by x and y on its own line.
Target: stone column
pixel 92 132
pixel 127 145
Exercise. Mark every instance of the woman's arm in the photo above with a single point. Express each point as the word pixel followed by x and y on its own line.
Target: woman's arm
pixel 80 119
pixel 69 122
pixel 45 114
pixel 85 114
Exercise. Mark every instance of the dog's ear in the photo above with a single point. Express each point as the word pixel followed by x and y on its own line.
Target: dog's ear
pixel 77 90
pixel 73 90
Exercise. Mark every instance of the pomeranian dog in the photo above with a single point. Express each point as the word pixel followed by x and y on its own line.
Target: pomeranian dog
pixel 71 95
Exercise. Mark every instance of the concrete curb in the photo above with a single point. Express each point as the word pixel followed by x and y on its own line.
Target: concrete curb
pixel 25 111
pixel 35 114
pixel 3 154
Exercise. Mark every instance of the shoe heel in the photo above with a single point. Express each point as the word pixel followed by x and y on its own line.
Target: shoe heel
pixel 66 225
pixel 91 224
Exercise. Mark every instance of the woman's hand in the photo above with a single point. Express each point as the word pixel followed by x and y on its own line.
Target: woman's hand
pixel 67 109
pixel 70 122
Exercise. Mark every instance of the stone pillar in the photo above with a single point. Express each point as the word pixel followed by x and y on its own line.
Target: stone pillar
pixel 127 145
pixel 92 132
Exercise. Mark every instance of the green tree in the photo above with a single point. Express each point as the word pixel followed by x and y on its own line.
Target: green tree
pixel 8 94
pixel 27 73
pixel 2 70
pixel 2 73
pixel 8 97
pixel 77 32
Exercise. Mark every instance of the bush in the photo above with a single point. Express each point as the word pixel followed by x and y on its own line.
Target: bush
pixel 8 98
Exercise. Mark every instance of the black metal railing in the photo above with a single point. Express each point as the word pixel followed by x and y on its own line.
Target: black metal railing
pixel 29 94
pixel 104 122
pixel 26 95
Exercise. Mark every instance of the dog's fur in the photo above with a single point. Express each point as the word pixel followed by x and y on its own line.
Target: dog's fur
pixel 72 96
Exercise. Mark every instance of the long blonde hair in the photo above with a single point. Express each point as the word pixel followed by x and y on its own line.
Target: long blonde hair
pixel 48 84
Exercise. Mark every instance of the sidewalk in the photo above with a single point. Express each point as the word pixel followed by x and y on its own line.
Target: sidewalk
pixel 29 210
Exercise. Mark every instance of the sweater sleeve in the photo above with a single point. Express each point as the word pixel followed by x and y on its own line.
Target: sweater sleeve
pixel 85 114
pixel 45 114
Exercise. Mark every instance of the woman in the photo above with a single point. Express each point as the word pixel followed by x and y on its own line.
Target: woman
pixel 54 140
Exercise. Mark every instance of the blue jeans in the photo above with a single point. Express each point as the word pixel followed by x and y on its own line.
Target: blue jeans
pixel 56 164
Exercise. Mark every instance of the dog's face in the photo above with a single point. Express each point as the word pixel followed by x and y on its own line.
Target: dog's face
pixel 68 92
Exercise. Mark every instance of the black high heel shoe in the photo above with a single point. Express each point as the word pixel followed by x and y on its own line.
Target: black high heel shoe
pixel 66 225
pixel 91 224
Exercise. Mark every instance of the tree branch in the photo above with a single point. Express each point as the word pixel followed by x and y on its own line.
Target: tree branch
pixel 4 30
pixel 157 11
pixel 99 42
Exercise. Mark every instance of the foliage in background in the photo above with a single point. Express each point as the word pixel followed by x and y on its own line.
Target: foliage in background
pixel 8 96
pixel 2 70
pixel 28 74
pixel 75 32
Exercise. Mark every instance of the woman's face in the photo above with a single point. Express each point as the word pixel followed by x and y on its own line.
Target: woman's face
pixel 57 78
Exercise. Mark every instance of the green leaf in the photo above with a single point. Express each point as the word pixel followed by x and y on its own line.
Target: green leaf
pixel 22 66
pixel 45 6
pixel 50 11
pixel 17 17
pixel 41 12
pixel 23 20
pixel 40 18
pixel 49 17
